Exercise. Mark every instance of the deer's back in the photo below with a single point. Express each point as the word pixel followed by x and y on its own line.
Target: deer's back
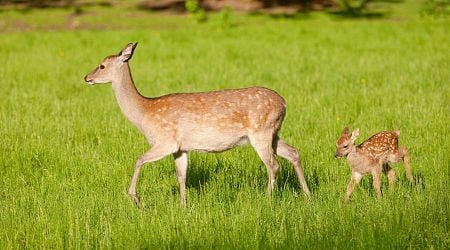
pixel 216 120
pixel 249 106
pixel 380 145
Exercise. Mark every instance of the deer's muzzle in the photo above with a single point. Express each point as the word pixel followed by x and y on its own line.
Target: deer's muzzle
pixel 337 155
pixel 88 80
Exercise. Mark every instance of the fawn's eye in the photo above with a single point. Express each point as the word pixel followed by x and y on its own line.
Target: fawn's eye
pixel 102 66
pixel 346 146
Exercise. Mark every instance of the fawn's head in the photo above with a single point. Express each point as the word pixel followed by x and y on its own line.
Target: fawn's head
pixel 107 70
pixel 345 143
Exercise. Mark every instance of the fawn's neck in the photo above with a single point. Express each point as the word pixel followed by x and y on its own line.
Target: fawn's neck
pixel 130 101
pixel 353 153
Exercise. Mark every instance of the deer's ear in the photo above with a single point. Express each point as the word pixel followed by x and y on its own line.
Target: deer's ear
pixel 346 131
pixel 127 52
pixel 355 135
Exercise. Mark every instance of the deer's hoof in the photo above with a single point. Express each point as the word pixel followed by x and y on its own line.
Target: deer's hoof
pixel 136 200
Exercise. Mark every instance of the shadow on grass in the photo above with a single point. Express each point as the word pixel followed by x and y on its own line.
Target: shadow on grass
pixel 288 180
pixel 197 177
pixel 418 181
pixel 371 14
pixel 366 184
pixel 301 15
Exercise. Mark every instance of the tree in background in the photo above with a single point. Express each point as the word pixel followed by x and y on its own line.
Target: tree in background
pixel 436 8
pixel 240 5
pixel 352 6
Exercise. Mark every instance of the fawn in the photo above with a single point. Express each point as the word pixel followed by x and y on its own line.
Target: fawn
pixel 214 121
pixel 372 156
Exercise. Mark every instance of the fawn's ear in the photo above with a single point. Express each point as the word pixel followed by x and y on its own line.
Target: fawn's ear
pixel 355 135
pixel 127 52
pixel 345 131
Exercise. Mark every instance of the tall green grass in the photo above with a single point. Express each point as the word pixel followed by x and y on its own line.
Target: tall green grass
pixel 67 153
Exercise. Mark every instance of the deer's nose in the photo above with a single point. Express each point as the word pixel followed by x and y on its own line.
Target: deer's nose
pixel 87 79
pixel 336 155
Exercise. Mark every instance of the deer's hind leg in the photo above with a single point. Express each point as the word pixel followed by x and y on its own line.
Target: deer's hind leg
pixel 291 154
pixel 181 163
pixel 391 174
pixel 403 152
pixel 262 143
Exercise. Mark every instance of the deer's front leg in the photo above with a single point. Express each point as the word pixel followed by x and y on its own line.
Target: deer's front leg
pixel 154 154
pixel 377 181
pixel 356 178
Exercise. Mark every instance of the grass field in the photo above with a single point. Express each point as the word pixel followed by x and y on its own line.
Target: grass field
pixel 67 153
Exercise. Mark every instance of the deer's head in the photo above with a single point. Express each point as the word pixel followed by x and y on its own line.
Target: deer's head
pixel 110 66
pixel 346 142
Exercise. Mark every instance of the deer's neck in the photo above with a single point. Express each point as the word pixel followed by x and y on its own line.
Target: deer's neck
pixel 353 155
pixel 356 158
pixel 130 101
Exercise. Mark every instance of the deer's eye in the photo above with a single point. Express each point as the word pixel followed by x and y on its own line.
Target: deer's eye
pixel 102 66
pixel 346 146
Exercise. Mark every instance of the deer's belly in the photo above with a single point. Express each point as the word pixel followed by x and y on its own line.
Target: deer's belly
pixel 211 141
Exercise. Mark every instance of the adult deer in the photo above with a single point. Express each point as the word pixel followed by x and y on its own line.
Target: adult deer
pixel 372 156
pixel 214 121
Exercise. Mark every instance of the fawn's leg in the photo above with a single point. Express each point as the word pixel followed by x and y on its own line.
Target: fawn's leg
pixel 181 162
pixel 405 156
pixel 356 178
pixel 391 175
pixel 154 154
pixel 262 143
pixel 376 174
pixel 291 154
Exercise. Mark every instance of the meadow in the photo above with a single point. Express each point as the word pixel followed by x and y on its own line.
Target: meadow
pixel 67 152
